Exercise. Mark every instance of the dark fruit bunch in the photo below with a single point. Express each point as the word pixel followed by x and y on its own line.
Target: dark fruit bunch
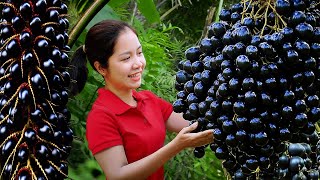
pixel 298 163
pixel 35 137
pixel 255 81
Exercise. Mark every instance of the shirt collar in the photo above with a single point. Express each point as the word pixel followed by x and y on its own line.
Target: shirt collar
pixel 115 104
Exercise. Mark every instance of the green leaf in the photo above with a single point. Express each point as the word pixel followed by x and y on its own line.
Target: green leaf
pixel 83 6
pixel 105 13
pixel 117 3
pixel 149 10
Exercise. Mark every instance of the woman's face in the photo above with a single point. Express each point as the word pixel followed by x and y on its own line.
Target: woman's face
pixel 126 63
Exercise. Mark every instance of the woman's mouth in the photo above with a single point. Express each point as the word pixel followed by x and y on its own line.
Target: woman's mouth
pixel 134 75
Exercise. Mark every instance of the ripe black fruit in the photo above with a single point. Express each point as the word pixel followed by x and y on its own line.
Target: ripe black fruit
pixel 23 154
pixel 217 29
pixel 304 30
pixel 193 53
pixel 296 149
pixel 243 63
pixel 261 87
pixel 199 152
pixel 179 106
pixel 40 7
pixel 26 10
pixel 30 136
pixel 296 163
pixel 7 147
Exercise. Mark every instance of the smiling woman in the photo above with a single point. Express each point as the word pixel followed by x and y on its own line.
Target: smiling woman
pixel 126 129
pixel 126 64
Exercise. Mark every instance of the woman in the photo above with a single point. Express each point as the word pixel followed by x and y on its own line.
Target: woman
pixel 125 128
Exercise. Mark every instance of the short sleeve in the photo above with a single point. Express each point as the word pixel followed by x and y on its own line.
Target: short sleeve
pixel 102 131
pixel 165 106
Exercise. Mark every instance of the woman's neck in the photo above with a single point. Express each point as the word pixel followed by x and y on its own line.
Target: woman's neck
pixel 125 96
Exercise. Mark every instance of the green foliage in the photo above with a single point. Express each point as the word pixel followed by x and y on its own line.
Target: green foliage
pixel 190 17
pixel 90 169
pixel 162 50
pixel 186 166
pixel 118 3
pixel 80 5
pixel 148 9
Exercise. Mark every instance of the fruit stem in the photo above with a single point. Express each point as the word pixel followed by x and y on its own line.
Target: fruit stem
pixel 218 11
pixel 52 144
pixel 4 77
pixel 4 119
pixel 15 171
pixel 40 166
pixel 85 19
pixel 9 4
pixel 8 40
pixel 265 17
pixel 58 169
pixel 45 78
pixel 275 11
pixel 262 13
pixel 317 127
pixel 245 9
pixel 234 117
pixel 12 154
pixel 33 97
pixel 13 96
pixel 31 170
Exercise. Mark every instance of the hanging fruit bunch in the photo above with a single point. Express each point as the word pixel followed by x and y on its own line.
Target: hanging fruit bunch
pixel 255 80
pixel 35 138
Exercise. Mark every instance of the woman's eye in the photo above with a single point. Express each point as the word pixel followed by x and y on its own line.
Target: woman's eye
pixel 140 53
pixel 126 58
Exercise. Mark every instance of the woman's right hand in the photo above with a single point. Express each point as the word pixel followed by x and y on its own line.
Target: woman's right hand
pixel 186 138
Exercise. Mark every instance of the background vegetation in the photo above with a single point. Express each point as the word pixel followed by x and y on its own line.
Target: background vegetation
pixel 166 29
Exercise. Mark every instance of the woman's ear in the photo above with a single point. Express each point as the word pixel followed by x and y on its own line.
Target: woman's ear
pixel 99 68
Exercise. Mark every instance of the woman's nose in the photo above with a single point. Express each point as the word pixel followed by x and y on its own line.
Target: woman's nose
pixel 138 62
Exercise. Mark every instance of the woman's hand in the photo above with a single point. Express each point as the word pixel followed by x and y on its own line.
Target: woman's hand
pixel 114 162
pixel 186 138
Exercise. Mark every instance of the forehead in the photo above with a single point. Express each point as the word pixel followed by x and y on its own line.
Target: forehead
pixel 127 40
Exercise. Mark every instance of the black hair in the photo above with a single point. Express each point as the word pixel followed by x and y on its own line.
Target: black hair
pixel 99 46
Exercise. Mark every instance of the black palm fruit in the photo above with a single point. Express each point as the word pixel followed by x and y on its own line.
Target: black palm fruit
pixel 225 14
pixel 199 152
pixel 193 53
pixel 262 79
pixel 34 90
pixel 179 106
pixel 282 7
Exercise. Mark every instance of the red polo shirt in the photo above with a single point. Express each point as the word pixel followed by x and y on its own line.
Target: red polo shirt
pixel 141 130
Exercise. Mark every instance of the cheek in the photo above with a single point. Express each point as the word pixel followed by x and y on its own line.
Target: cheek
pixel 144 62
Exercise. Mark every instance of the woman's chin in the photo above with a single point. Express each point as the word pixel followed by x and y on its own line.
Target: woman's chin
pixel 135 85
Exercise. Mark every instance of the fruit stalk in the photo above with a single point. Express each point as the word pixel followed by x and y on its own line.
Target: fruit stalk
pixel 35 135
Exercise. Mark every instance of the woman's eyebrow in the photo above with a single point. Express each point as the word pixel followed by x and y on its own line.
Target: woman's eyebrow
pixel 128 52
pixel 124 53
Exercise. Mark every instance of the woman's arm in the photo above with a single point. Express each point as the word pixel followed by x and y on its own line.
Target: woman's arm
pixel 114 163
pixel 176 122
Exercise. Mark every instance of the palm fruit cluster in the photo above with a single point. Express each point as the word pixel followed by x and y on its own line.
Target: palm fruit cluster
pixel 255 80
pixel 35 137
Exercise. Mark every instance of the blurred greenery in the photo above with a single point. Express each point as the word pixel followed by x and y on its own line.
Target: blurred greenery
pixel 191 18
pixel 166 29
